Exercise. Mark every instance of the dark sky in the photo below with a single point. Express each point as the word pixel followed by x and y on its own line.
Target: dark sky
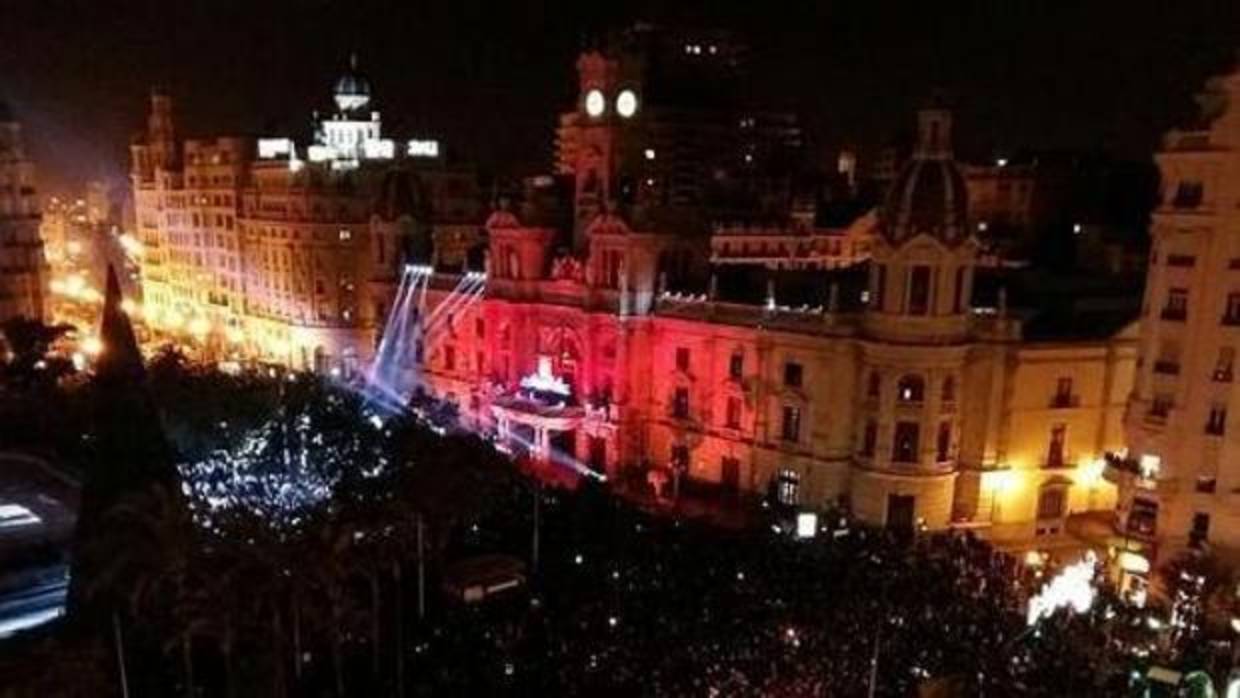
pixel 489 76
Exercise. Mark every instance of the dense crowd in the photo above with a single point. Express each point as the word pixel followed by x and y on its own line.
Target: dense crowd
pixel 631 605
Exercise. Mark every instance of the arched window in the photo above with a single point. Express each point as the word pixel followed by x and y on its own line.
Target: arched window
pixel 1052 502
pixel 949 389
pixel 911 389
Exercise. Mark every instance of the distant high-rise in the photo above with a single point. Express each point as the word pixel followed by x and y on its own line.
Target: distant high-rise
pixel 21 248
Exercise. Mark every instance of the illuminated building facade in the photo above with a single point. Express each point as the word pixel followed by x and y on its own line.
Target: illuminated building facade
pixel 897 393
pixel 1176 479
pixel 285 252
pixel 795 247
pixel 21 249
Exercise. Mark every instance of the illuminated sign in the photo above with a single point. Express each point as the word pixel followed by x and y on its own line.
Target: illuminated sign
pixel 274 147
pixel 807 524
pixel 379 149
pixel 321 153
pixel 423 149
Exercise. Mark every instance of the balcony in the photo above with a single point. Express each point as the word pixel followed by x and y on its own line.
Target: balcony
pixel 1230 320
pixel 1122 470
pixel 1167 367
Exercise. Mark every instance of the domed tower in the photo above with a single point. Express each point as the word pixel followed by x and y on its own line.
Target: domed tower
pixel 915 340
pixel 922 271
pixel 352 91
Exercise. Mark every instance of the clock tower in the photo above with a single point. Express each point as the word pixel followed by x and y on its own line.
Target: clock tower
pixel 597 141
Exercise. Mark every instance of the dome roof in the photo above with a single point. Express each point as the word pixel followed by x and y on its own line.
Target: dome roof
pixel 352 90
pixel 929 195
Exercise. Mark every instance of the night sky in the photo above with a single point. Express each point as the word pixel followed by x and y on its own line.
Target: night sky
pixel 488 77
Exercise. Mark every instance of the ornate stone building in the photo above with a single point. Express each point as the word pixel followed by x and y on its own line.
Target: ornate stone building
pixel 898 391
pixel 1177 481
pixel 284 252
pixel 22 266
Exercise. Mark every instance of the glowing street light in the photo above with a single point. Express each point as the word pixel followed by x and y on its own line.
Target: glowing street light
pixel 92 346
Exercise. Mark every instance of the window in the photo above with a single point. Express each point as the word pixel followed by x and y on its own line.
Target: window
pixel 1206 485
pixel 1051 503
pixel 911 389
pixel 1200 530
pixel 736 366
pixel 480 362
pixel 1177 305
pixel 1180 260
pixel 449 358
pixel 682 359
pixel 791 430
pixel 1168 361
pixel 1188 194
pixel 904 445
pixel 919 290
pixel 943 447
pixel 1231 316
pixel 875 384
pixel 792 374
pixel 1223 365
pixel 958 298
pixel 732 414
pixel 949 389
pixel 1063 393
pixel 1216 423
pixel 480 328
pixel 680 403
pixel 1055 451
pixel 1161 405
pixel 880 287
pixel 345 235
pixel 787 487
pixel 869 439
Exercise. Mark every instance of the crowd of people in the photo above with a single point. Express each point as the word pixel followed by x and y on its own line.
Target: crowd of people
pixel 626 604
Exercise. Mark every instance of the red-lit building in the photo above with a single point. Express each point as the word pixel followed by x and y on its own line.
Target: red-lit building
pixel 893 391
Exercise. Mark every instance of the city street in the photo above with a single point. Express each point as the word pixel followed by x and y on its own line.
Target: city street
pixel 38 508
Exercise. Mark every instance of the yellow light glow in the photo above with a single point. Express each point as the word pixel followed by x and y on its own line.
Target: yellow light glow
pixel 173 319
pixel 199 326
pixel 130 308
pixel 132 246
pixel 1001 480
pixel 235 335
pixel 1090 473
pixel 92 346
pixel 73 247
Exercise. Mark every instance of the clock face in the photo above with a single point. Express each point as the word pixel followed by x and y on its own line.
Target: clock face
pixel 626 103
pixel 595 103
